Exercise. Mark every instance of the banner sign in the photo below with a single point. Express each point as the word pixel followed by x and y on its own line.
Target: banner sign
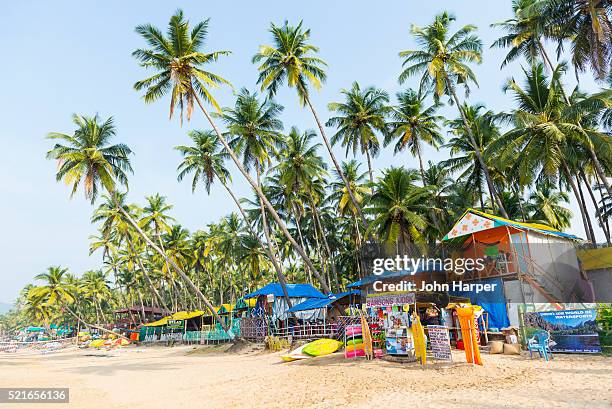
pixel 389 299
pixel 439 340
pixel 176 324
pixel 570 330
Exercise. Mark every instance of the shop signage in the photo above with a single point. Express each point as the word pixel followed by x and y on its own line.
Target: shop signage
pixel 440 342
pixel 389 299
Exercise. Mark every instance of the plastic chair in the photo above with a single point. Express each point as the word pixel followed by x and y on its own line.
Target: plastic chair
pixel 539 342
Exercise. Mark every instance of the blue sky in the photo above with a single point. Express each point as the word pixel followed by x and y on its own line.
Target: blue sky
pixel 75 57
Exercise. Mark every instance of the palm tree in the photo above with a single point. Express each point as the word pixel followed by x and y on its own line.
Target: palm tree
pixel 397 206
pixel 443 60
pixel 181 74
pixel 545 133
pixel 545 205
pixel 88 159
pixel 587 25
pixel 96 287
pixel 413 124
pixel 290 59
pixel 56 291
pixel 205 159
pixel 300 172
pixel 464 158
pixel 525 32
pixel 361 117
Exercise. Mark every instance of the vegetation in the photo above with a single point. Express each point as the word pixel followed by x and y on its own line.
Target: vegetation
pixel 306 220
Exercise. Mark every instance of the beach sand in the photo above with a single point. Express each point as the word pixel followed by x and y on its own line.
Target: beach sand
pixel 202 377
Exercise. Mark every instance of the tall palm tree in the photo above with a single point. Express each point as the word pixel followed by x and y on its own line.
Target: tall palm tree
pixel 206 160
pixel 484 127
pixel 544 132
pixel 525 32
pixel 413 124
pixel 587 25
pixel 398 205
pixel 88 158
pixel 300 172
pixel 291 59
pixel 180 73
pixel 97 288
pixel 443 61
pixel 361 117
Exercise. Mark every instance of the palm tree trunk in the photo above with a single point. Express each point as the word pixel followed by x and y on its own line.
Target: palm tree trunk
pixel 181 273
pixel 279 272
pixel 481 161
pixel 86 324
pixel 325 242
pixel 369 167
pixel 598 168
pixel 146 274
pixel 271 251
pixel 335 161
pixel 597 213
pixel 259 192
pixel 569 179
pixel 601 195
pixel 586 211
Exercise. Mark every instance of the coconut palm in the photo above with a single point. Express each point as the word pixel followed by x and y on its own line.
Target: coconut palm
pixel 361 117
pixel 58 292
pixel 96 287
pixel 544 132
pixel 88 159
pixel 587 25
pixel 291 59
pixel 398 205
pixel 484 127
pixel 546 206
pixel 525 32
pixel 180 73
pixel 443 61
pixel 414 124
pixel 205 159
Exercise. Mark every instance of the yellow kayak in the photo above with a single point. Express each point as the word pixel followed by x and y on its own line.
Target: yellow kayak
pixel 321 347
pixel 97 343
pixel 295 355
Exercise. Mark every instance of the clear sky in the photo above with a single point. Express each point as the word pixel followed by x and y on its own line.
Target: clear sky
pixel 75 57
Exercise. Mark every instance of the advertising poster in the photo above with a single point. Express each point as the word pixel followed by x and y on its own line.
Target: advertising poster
pixel 570 330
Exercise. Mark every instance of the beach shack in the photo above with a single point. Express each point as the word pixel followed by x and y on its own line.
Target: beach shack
pixel 270 315
pixel 532 263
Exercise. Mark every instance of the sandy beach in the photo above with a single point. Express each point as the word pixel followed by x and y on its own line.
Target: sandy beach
pixel 203 377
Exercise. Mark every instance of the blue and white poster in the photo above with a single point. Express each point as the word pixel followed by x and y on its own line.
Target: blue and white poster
pixel 570 330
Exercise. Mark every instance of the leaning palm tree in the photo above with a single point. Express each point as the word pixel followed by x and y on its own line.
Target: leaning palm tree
pixel 414 124
pixel 179 59
pixel 205 159
pixel 291 59
pixel 58 292
pixel 88 159
pixel 443 61
pixel 484 126
pixel 361 117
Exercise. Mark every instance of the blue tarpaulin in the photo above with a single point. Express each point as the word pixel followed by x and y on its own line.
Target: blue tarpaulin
pixel 293 290
pixel 493 302
pixel 314 303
